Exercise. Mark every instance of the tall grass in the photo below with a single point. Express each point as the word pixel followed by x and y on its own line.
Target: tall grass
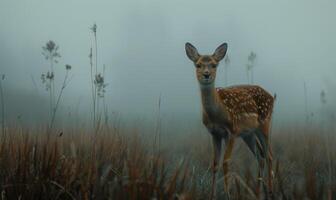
pixel 71 167
pixel 123 166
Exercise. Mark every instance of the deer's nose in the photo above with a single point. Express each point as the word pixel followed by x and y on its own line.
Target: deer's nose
pixel 206 72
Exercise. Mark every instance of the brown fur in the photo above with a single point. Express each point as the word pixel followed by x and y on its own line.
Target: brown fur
pixel 229 112
pixel 243 103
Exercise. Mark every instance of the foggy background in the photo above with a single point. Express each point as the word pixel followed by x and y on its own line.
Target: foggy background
pixel 141 42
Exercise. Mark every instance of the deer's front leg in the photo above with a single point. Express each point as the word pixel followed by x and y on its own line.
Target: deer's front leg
pixel 229 143
pixel 217 147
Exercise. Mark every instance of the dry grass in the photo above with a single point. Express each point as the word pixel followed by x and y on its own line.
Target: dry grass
pixel 122 165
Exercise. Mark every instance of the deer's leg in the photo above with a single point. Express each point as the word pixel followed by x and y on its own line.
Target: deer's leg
pixel 261 169
pixel 269 156
pixel 251 141
pixel 229 143
pixel 270 171
pixel 255 145
pixel 263 146
pixel 217 146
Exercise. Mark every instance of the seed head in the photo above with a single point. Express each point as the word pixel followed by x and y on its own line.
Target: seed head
pixel 101 85
pixel 99 79
pixel 50 51
pixel 323 97
pixel 50 75
pixel 68 67
pixel 43 78
pixel 94 28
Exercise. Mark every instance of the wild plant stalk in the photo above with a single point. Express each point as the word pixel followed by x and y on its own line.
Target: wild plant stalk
pixel 76 119
pixel 93 90
pixel 104 104
pixel 94 29
pixel 2 105
pixel 247 75
pixel 50 52
pixel 96 64
pixel 34 83
pixel 250 66
pixel 323 100
pixel 93 77
pixel 65 83
pixel 98 84
pixel 50 100
pixel 52 82
pixel 306 102
pixel 102 113
pixel 157 137
pixel 100 93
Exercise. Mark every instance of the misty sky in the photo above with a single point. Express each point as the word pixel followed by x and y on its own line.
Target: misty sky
pixel 141 42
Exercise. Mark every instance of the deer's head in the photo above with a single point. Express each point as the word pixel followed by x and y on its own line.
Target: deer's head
pixel 206 65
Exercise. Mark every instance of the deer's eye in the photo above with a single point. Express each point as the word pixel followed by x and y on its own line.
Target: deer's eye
pixel 213 66
pixel 198 66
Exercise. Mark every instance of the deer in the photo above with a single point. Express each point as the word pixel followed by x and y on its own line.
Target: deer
pixel 243 111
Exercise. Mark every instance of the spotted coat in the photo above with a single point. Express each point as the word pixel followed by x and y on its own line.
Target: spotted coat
pixel 246 99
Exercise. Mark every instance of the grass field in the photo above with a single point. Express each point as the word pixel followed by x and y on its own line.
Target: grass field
pixel 125 164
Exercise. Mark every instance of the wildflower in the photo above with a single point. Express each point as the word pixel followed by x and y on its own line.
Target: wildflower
pixel 100 83
pixel 50 46
pixel 94 28
pixel 68 67
pixel 252 56
pixel 50 51
pixel 43 78
pixel 99 79
pixel 251 59
pixel 323 97
pixel 50 75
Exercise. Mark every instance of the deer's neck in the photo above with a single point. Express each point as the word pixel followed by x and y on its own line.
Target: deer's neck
pixel 210 100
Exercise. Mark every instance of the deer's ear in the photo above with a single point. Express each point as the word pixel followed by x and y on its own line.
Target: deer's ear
pixel 192 52
pixel 220 52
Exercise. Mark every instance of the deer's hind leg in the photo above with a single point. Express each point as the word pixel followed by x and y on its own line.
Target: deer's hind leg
pixel 255 145
pixel 262 146
pixel 265 129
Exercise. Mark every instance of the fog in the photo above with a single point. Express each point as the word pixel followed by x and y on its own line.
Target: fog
pixel 141 43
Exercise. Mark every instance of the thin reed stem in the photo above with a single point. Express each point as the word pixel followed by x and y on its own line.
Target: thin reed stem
pixel 158 129
pixel 2 107
pixel 65 83
pixel 92 89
